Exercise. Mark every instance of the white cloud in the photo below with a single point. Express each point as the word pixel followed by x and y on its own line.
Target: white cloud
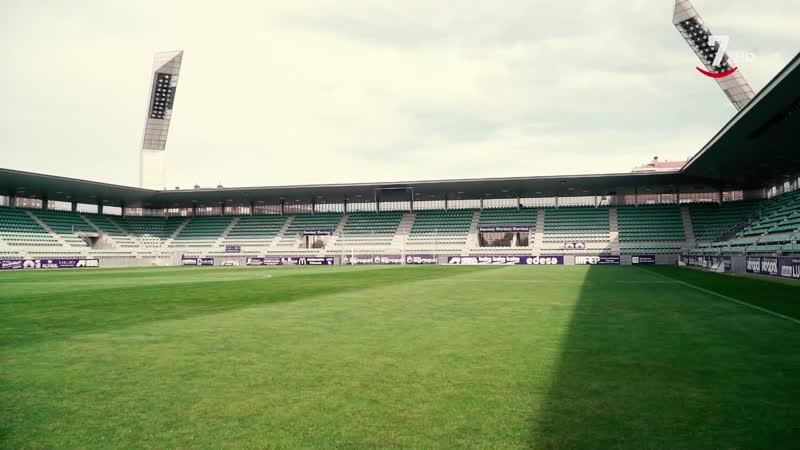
pixel 331 91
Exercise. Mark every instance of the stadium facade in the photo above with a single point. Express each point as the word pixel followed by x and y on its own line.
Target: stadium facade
pixel 735 201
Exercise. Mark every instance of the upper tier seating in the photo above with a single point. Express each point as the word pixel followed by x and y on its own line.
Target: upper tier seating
pixel 66 225
pixel 18 229
pixel 202 231
pixel 308 221
pixel 650 223
pixel 508 216
pixel 369 229
pixel 771 243
pixel 255 231
pixel 711 220
pixel 587 225
pixel 780 214
pixel 151 231
pixel 108 227
pixel 432 228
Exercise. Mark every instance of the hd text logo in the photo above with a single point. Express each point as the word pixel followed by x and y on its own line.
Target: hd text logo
pixel 734 58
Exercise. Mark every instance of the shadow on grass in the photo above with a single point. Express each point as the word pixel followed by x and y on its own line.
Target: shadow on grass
pixel 654 364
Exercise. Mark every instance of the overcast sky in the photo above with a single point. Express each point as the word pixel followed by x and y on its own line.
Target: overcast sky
pixel 317 91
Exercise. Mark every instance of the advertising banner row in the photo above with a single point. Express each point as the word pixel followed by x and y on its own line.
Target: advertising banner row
pixel 291 261
pixel 505 260
pixel 68 263
pixel 388 259
pixel 781 266
pixel 713 263
pixel 197 261
pixel 643 260
pixel 602 260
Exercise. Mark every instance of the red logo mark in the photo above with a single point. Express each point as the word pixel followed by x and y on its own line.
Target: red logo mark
pixel 717 75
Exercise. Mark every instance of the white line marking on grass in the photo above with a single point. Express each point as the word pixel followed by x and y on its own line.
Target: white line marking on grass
pixel 792 319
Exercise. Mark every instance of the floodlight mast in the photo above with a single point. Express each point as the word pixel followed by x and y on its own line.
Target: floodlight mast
pixel 707 47
pixel 160 101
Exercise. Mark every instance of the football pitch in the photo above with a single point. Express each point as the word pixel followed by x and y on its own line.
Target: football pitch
pixel 376 357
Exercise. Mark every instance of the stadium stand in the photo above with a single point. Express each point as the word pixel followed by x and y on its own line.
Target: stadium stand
pixel 202 231
pixel 298 223
pixel 151 231
pixel 650 223
pixel 508 216
pixel 20 230
pixel 711 220
pixel 103 223
pixel 369 229
pixel 588 226
pixel 255 231
pixel 66 224
pixel 433 230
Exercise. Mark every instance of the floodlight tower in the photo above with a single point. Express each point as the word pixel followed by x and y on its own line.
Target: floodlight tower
pixel 707 46
pixel 163 84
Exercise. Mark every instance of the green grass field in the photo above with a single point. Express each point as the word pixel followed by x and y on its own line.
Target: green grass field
pixel 423 357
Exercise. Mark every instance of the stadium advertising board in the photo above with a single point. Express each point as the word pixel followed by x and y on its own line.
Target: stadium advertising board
pixel 789 267
pixel 309 261
pixel 356 260
pixel 233 249
pixel 574 246
pixel 643 259
pixel 602 260
pixel 753 264
pixel 186 261
pixel 782 266
pixel 421 259
pixel 317 231
pixel 291 261
pixel 769 266
pixel 505 260
pixel 63 263
pixel 268 261
pixel 712 263
pixel 504 229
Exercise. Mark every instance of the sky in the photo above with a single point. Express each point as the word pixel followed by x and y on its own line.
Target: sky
pixel 338 91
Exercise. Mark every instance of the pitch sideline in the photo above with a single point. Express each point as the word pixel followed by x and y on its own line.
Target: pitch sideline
pixel 749 305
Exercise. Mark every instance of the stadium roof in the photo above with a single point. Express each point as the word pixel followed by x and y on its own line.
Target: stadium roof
pixel 757 148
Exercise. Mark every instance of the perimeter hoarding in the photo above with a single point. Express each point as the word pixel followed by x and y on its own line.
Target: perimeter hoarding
pixel 358 260
pixel 499 260
pixel 292 261
pixel 187 261
pixel 712 263
pixel 414 259
pixel 421 259
pixel 781 266
pixel 62 263
pixel 602 260
pixel 643 259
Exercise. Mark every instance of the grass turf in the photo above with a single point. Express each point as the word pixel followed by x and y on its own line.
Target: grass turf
pixel 426 357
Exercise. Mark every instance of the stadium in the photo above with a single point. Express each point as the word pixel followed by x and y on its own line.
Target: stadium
pixel 657 308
